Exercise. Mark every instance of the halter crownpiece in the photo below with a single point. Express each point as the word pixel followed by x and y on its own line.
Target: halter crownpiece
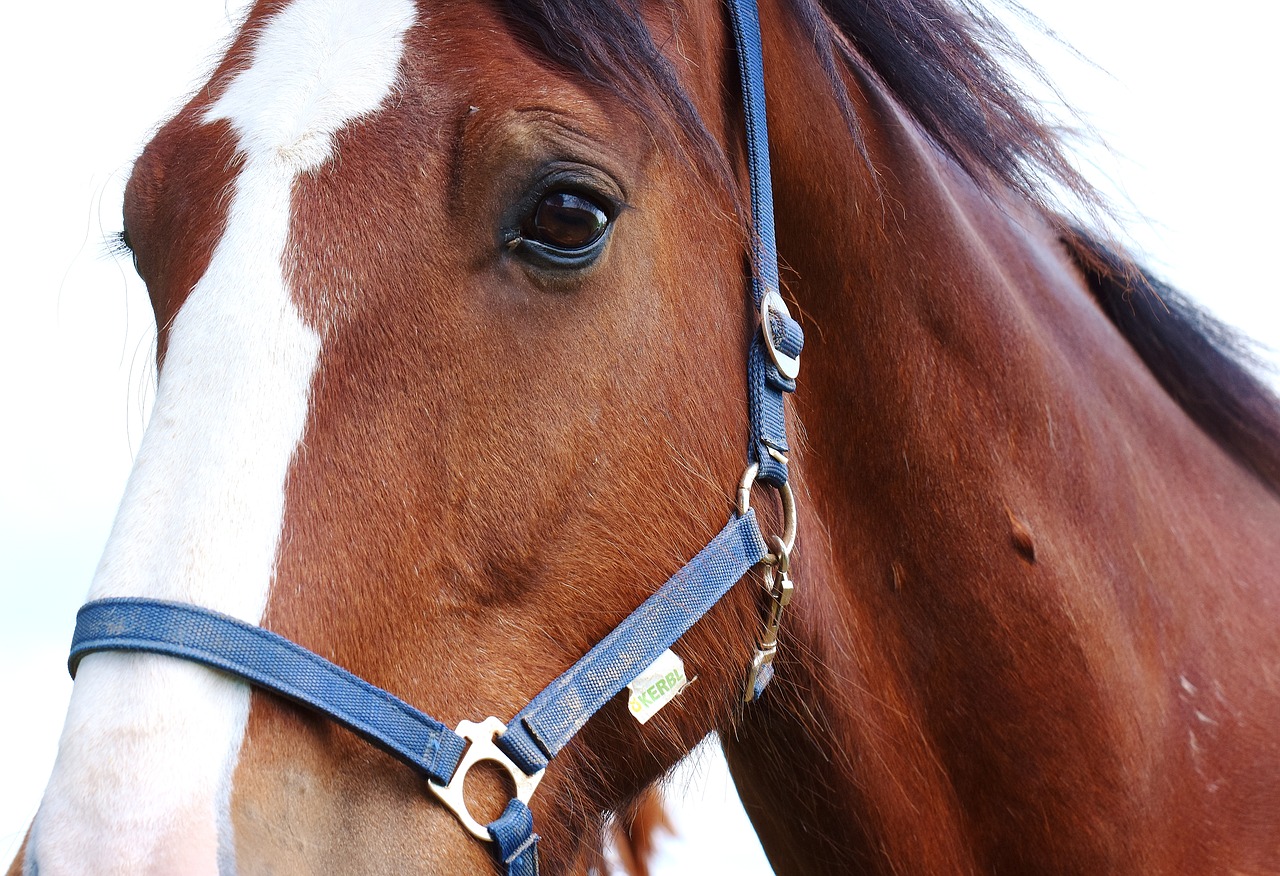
pixel 525 745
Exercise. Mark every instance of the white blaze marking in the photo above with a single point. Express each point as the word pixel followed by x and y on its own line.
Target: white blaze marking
pixel 142 780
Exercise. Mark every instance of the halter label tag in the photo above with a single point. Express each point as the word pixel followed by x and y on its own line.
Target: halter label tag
pixel 657 685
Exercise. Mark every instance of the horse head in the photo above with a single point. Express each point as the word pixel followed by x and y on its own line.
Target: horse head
pixel 451 355
pixel 454 317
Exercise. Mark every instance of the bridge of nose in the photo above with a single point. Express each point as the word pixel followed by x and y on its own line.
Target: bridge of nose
pixel 143 775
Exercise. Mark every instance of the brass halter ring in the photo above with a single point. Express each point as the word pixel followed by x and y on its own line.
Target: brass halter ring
pixel 788 537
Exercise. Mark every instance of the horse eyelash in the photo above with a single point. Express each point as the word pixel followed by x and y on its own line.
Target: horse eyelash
pixel 117 244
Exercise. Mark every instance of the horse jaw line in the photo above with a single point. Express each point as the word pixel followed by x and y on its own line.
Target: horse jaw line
pixel 142 779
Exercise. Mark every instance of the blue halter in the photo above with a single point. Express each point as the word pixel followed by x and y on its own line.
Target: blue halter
pixel 526 744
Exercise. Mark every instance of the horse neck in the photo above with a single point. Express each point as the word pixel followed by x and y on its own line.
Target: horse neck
pixel 989 484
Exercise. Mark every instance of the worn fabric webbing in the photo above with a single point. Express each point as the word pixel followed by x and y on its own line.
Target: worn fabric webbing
pixel 516 843
pixel 272 662
pixel 766 385
pixel 544 726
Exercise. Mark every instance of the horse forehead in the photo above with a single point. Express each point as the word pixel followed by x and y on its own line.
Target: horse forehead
pixel 300 72
pixel 314 66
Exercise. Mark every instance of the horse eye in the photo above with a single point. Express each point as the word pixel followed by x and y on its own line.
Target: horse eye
pixel 566 221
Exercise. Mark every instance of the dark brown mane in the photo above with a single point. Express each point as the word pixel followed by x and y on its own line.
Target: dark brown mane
pixel 1202 363
pixel 947 63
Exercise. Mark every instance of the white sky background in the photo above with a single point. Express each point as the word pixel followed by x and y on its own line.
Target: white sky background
pixel 1187 109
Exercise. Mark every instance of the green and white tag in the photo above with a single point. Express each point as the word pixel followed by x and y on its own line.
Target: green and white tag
pixel 657 685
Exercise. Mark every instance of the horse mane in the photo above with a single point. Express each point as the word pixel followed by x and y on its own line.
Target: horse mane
pixel 1201 363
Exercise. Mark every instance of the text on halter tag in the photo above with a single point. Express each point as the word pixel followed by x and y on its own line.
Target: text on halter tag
pixel 657 685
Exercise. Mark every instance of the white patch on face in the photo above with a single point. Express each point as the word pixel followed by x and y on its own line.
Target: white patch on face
pixel 142 779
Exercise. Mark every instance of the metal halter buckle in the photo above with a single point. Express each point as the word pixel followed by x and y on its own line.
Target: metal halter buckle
pixel 482 747
pixel 788 366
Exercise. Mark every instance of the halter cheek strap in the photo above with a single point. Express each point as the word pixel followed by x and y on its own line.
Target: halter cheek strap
pixel 773 361
pixel 525 745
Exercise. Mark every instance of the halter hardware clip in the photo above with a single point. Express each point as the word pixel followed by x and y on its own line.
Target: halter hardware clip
pixel 781 588
pixel 482 747
pixel 778 574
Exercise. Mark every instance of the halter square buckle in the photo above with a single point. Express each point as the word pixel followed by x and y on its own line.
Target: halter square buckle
pixel 481 737
pixel 788 366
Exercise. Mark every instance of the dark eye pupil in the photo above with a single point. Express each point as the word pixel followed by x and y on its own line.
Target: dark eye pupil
pixel 567 221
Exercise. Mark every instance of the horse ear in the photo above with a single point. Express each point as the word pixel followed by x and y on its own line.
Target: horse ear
pixel 634 831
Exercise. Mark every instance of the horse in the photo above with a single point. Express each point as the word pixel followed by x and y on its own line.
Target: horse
pixel 452 330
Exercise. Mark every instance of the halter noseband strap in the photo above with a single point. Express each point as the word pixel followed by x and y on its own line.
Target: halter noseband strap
pixel 527 743
pixel 524 747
